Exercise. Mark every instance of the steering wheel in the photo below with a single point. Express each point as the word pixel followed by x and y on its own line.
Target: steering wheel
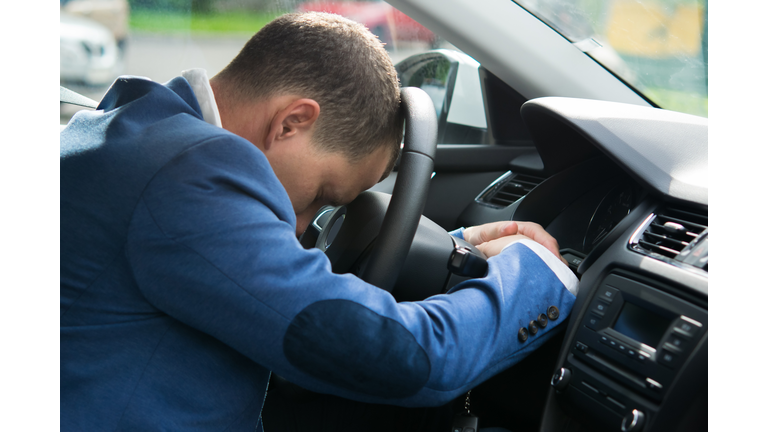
pixel 371 236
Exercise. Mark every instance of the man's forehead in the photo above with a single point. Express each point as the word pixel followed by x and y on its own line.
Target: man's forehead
pixel 370 171
pixel 386 174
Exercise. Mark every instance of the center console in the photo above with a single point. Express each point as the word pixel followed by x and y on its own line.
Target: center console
pixel 627 352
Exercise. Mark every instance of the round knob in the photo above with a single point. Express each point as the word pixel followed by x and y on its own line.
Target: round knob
pixel 561 379
pixel 633 422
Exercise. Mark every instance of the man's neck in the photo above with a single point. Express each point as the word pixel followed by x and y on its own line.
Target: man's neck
pixel 243 119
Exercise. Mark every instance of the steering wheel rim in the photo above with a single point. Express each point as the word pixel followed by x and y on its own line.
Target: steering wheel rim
pixel 409 195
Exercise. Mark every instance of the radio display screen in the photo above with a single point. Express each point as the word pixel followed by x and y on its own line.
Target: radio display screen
pixel 641 325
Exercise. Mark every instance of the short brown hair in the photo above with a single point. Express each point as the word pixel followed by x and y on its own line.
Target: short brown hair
pixel 335 61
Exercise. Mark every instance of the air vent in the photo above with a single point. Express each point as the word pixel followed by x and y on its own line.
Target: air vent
pixel 671 234
pixel 508 189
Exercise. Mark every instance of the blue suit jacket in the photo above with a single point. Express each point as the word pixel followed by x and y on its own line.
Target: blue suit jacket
pixel 183 285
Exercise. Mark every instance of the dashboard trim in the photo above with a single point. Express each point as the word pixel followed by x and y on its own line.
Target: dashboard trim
pixel 567 131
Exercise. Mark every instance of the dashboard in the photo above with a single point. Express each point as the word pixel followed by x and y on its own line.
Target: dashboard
pixel 623 190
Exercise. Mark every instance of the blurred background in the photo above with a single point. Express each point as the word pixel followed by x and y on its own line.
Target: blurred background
pixel 101 39
pixel 658 46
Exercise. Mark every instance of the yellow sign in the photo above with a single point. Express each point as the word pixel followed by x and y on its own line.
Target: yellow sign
pixel 655 30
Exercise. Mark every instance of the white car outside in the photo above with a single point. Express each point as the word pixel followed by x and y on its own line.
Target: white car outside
pixel 89 53
pixel 113 14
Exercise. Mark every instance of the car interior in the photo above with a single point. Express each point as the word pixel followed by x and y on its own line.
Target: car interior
pixel 622 186
pixel 630 216
pixel 619 182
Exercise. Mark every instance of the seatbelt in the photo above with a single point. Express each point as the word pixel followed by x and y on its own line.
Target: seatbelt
pixel 68 96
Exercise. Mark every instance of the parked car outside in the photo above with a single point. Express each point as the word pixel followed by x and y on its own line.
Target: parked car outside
pixel 112 14
pixel 89 53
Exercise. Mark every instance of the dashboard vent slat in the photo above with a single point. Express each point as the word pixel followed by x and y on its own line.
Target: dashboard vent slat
pixel 671 234
pixel 508 190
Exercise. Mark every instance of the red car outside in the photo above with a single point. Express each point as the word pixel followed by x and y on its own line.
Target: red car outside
pixel 386 22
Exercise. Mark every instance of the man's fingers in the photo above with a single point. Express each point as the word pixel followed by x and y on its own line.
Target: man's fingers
pixel 494 247
pixel 539 235
pixel 478 235
pixel 487 237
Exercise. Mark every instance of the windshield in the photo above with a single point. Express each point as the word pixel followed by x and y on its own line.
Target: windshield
pixel 656 46
pixel 659 47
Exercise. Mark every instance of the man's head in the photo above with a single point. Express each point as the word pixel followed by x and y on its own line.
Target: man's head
pixel 319 80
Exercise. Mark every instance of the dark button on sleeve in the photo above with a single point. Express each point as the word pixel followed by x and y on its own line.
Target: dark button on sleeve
pixel 522 334
pixel 553 313
pixel 532 329
pixel 542 320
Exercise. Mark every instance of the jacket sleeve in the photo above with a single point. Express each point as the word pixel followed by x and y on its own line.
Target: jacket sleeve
pixel 212 244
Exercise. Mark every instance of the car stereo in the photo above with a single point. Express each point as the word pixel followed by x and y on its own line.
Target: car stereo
pixel 636 335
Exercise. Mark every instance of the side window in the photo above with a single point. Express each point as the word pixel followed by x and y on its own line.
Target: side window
pixel 452 80
pixel 160 38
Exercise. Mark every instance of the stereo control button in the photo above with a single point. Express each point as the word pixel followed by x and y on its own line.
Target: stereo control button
pixel 582 347
pixel 592 321
pixel 668 346
pixel 607 294
pixel 686 327
pixel 652 384
pixel 667 358
pixel 600 308
pixel 676 343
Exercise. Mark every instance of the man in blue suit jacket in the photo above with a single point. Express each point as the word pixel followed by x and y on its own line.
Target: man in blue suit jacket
pixel 183 283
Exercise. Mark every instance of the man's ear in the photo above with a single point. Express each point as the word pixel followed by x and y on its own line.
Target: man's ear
pixel 296 118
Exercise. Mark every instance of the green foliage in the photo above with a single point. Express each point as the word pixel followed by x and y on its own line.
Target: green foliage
pixel 687 102
pixel 211 6
pixel 188 22
pixel 160 5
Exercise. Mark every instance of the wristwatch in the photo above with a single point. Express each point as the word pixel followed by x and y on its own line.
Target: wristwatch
pixel 464 262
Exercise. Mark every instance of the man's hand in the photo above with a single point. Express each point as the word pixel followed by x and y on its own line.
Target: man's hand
pixel 480 234
pixel 491 238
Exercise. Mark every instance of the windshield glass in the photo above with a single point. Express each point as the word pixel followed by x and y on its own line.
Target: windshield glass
pixel 659 47
pixel 656 46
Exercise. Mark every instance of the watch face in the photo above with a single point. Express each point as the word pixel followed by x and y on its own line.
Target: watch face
pixel 459 258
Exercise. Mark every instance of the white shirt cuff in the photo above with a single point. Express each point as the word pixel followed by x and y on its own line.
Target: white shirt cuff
pixel 566 276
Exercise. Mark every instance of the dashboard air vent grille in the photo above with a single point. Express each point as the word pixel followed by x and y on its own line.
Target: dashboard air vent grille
pixel 672 233
pixel 509 190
